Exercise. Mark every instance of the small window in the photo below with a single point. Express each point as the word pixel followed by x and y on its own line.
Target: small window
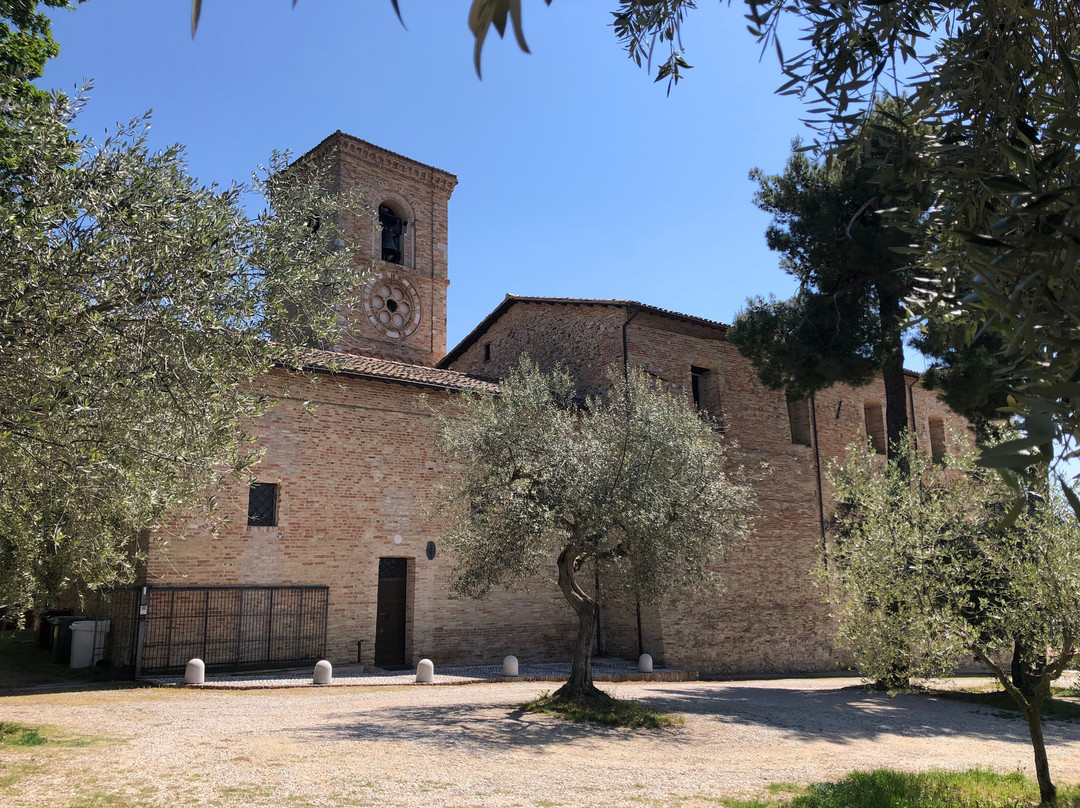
pixel 393 235
pixel 798 413
pixel 262 504
pixel 875 425
pixel 937 438
pixel 487 351
pixel 703 387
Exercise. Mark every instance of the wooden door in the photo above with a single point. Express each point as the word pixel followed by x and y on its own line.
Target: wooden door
pixel 390 618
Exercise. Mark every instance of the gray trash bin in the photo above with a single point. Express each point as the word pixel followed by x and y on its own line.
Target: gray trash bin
pixel 88 642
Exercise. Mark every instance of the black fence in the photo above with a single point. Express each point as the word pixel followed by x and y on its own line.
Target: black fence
pixel 156 630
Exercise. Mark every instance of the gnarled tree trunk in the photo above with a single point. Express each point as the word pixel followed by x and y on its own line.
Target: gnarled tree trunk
pixel 580 685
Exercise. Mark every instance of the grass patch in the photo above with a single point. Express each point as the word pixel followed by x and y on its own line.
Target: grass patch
pixel 18 735
pixel 886 788
pixel 23 664
pixel 999 700
pixel 12 735
pixel 603 712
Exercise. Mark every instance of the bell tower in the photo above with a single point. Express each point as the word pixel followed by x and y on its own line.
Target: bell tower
pixel 401 314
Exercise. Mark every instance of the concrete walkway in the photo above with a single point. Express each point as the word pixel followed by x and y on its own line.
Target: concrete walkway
pixel 605 669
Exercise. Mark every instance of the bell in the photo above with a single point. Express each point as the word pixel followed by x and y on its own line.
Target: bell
pixel 391 246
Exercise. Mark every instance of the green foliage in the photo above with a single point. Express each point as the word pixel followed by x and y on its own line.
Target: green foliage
pixel 886 788
pixel 889 788
pixel 832 237
pixel 136 316
pixel 630 483
pixel 930 564
pixel 632 480
pixel 920 566
pixel 605 712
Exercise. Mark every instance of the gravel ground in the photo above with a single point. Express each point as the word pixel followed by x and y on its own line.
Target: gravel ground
pixel 470 746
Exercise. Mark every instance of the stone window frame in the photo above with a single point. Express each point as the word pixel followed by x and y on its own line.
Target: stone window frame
pixel 392 279
pixel 263 497
pixel 798 409
pixel 397 203
pixel 938 447
pixel 874 421
pixel 705 389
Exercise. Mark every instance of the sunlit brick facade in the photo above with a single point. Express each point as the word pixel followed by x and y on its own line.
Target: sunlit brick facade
pixel 357 471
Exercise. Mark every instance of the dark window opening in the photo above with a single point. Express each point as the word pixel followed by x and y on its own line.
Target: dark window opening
pixel 262 504
pixel 487 351
pixel 937 438
pixel 393 235
pixel 798 410
pixel 875 425
pixel 703 386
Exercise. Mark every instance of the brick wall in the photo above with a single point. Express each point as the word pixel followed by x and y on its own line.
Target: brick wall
pixel 421 194
pixel 357 473
pixel 769 616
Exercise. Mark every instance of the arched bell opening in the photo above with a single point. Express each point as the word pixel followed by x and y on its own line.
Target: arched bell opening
pixel 392 225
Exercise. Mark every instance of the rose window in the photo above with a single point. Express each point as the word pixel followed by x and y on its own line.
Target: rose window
pixel 392 305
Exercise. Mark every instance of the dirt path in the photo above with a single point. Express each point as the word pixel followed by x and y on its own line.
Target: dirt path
pixel 469 746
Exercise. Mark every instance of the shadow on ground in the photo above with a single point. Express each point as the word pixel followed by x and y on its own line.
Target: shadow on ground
pixel 842 715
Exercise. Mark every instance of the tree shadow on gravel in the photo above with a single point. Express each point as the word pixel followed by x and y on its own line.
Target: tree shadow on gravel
pixel 840 715
pixel 852 713
pixel 469 726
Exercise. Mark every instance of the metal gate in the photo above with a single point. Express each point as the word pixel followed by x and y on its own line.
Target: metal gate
pixel 156 630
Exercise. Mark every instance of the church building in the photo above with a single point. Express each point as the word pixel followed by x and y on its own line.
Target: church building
pixel 335 549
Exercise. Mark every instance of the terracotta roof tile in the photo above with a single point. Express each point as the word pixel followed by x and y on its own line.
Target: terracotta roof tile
pixel 346 364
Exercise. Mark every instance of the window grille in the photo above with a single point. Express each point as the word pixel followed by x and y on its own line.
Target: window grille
pixel 392 568
pixel 262 504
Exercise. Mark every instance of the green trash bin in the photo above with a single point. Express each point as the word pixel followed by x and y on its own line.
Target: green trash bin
pixel 61 646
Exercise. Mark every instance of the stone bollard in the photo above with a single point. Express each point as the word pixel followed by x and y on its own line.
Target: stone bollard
pixel 644 663
pixel 195 672
pixel 510 666
pixel 324 673
pixel 425 672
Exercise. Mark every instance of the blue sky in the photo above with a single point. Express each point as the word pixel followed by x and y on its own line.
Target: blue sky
pixel 578 176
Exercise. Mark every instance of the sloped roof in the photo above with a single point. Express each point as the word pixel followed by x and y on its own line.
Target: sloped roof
pixel 510 300
pixel 367 367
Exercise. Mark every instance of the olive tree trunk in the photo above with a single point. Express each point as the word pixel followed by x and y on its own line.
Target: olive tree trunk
pixel 1032 709
pixel 580 685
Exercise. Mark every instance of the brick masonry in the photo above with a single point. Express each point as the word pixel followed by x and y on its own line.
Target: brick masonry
pixel 358 471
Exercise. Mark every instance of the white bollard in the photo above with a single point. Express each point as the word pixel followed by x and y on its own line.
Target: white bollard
pixel 195 672
pixel 324 673
pixel 510 666
pixel 425 672
pixel 644 663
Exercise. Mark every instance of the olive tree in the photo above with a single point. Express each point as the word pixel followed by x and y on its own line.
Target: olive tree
pixel 630 482
pixel 923 573
pixel 139 310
